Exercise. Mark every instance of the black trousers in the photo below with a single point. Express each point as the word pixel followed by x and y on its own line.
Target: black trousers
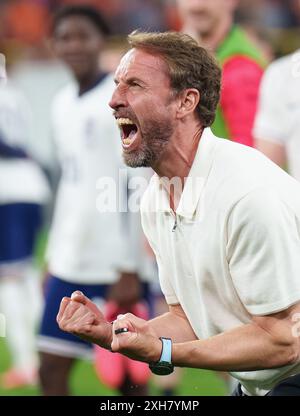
pixel 288 387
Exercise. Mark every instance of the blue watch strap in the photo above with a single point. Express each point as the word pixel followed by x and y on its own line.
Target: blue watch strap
pixel 164 365
pixel 166 353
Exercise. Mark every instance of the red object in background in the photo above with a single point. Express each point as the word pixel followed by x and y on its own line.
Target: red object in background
pixel 112 368
pixel 240 88
pixel 173 20
pixel 26 21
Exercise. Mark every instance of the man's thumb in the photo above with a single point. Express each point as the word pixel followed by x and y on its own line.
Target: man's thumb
pixel 78 296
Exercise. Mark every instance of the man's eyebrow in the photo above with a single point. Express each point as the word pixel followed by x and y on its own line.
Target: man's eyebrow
pixel 129 81
pixel 134 79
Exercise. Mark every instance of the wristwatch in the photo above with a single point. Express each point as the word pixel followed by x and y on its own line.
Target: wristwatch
pixel 164 365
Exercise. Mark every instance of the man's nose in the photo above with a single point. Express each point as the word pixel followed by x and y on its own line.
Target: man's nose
pixel 73 45
pixel 118 99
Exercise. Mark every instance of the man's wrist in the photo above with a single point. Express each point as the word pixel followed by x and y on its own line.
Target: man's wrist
pixel 180 357
pixel 107 344
pixel 184 353
pixel 157 351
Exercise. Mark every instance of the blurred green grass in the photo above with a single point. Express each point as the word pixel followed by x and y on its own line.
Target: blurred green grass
pixel 84 381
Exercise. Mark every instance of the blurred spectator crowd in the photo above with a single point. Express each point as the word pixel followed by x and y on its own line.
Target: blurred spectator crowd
pixel 25 30
pixel 125 16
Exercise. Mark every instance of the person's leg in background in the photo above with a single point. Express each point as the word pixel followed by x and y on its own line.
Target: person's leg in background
pixel 19 333
pixel 54 374
pixel 19 224
pixel 134 385
pixel 116 371
pixel 32 283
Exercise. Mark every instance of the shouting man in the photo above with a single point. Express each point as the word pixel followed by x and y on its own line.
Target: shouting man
pixel 223 221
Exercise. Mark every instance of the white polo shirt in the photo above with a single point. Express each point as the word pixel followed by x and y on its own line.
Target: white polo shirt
pixel 235 251
pixel 278 115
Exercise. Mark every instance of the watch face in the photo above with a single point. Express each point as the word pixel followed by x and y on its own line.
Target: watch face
pixel 162 368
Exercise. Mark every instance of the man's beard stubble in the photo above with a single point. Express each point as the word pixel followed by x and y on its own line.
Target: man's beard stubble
pixel 155 136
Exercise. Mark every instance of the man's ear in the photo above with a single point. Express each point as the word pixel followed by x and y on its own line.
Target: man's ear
pixel 188 101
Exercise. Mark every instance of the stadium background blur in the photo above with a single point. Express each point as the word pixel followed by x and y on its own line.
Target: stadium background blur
pixel 24 40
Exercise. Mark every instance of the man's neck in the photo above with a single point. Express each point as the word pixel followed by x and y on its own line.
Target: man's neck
pixel 178 159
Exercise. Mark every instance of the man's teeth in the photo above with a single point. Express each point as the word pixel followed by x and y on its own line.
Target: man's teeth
pixel 122 121
pixel 127 141
pixel 128 134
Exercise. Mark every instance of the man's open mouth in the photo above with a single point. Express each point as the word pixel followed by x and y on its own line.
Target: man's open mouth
pixel 129 131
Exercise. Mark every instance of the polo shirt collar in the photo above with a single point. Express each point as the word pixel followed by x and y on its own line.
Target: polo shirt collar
pixel 195 180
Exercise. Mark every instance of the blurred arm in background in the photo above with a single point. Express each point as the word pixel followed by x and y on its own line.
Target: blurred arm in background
pixel 277 113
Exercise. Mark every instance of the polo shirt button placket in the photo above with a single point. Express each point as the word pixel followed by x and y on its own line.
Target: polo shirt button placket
pixel 175 223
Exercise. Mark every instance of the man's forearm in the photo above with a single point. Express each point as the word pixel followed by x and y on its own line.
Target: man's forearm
pixel 246 348
pixel 171 325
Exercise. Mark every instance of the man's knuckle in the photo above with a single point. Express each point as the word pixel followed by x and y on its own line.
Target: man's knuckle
pixel 65 327
pixel 62 323
pixel 87 329
pixel 144 327
pixel 77 328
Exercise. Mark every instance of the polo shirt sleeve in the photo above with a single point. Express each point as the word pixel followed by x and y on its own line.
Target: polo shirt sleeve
pixel 149 228
pixel 263 252
pixel 271 117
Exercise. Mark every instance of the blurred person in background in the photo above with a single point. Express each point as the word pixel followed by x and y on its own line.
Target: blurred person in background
pixel 23 191
pixel 33 68
pixel 87 249
pixel 211 23
pixel 277 121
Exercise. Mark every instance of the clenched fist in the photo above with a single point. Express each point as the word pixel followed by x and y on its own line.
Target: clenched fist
pixel 79 316
pixel 139 341
pixel 129 335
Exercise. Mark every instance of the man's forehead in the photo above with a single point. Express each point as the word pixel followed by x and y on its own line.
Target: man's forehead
pixel 137 59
